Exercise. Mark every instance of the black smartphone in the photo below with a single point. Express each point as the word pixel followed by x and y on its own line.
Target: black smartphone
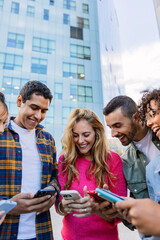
pixel 44 192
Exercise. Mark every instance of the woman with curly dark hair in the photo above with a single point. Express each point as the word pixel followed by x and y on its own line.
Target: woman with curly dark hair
pixel 149 109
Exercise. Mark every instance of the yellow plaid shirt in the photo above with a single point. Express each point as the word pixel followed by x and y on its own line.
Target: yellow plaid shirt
pixel 11 177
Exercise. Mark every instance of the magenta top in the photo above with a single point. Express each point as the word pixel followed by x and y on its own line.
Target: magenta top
pixel 92 227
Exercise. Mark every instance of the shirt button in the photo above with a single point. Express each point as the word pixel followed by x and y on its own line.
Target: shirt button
pixel 135 190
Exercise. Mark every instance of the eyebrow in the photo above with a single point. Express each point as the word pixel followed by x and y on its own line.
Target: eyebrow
pixel 35 105
pixel 114 124
pixel 83 132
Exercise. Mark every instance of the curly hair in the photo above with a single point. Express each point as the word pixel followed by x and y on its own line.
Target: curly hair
pixel 36 87
pixel 145 102
pixel 99 152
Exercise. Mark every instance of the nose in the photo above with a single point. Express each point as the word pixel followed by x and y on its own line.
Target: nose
pixel 114 133
pixel 38 114
pixel 149 122
pixel 1 128
pixel 80 139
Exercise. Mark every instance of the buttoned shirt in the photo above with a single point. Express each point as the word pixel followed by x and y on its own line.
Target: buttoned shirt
pixel 11 177
pixel 134 169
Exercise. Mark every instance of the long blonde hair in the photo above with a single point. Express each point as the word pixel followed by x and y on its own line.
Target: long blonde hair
pixel 99 152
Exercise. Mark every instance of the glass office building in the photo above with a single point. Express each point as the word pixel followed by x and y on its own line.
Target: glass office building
pixel 58 43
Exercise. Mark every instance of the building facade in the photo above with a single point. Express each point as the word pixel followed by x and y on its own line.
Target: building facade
pixel 157 12
pixel 58 43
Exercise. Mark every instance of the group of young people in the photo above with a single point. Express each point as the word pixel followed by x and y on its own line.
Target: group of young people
pixel 28 163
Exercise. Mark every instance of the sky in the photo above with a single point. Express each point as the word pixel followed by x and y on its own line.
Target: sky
pixel 140 46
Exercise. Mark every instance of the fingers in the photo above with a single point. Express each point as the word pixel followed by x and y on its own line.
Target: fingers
pixel 127 204
pixel 2 212
pixel 85 191
pixel 105 186
pixel 22 196
pixel 104 205
pixel 2 219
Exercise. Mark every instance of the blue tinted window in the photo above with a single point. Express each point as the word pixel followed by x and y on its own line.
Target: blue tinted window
pixel 58 91
pixel 66 19
pixel 52 2
pixel 43 45
pixel 15 40
pixel 15 7
pixel 71 70
pixel 69 4
pixel 39 65
pixel 46 14
pixel 12 85
pixel 78 51
pixel 11 61
pixel 85 8
pixel 30 11
pixel 81 93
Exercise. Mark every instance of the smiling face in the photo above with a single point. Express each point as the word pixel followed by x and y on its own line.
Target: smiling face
pixel 32 112
pixel 3 117
pixel 121 126
pixel 153 117
pixel 84 138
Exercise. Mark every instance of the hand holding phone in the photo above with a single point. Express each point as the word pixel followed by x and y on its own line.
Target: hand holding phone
pixel 44 192
pixel 108 195
pixel 70 194
pixel 94 194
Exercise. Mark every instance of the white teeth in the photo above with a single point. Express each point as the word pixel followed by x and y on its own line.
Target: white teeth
pixel 155 129
pixel 83 145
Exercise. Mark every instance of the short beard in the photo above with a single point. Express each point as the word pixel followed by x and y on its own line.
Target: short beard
pixel 131 134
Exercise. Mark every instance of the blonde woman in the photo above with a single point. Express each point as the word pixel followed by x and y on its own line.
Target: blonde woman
pixel 85 164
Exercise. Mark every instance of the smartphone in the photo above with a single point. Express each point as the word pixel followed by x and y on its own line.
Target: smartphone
pixel 44 192
pixel 70 194
pixel 108 195
pixel 94 194
pixel 6 205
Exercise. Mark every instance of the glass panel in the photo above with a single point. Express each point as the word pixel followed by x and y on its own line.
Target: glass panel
pixel 46 14
pixel 81 90
pixel 66 19
pixel 85 8
pixel 88 91
pixel 80 71
pixel 81 98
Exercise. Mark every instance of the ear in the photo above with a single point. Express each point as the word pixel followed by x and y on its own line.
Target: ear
pixel 135 117
pixel 19 101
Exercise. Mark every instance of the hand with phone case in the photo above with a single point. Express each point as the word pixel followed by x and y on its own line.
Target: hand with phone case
pixel 26 203
pixel 44 192
pixel 73 202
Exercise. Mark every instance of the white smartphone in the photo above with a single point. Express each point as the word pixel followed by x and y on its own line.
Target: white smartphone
pixel 70 194
pixel 6 205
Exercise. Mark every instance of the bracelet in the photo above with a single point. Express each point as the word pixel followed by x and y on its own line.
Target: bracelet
pixel 59 209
